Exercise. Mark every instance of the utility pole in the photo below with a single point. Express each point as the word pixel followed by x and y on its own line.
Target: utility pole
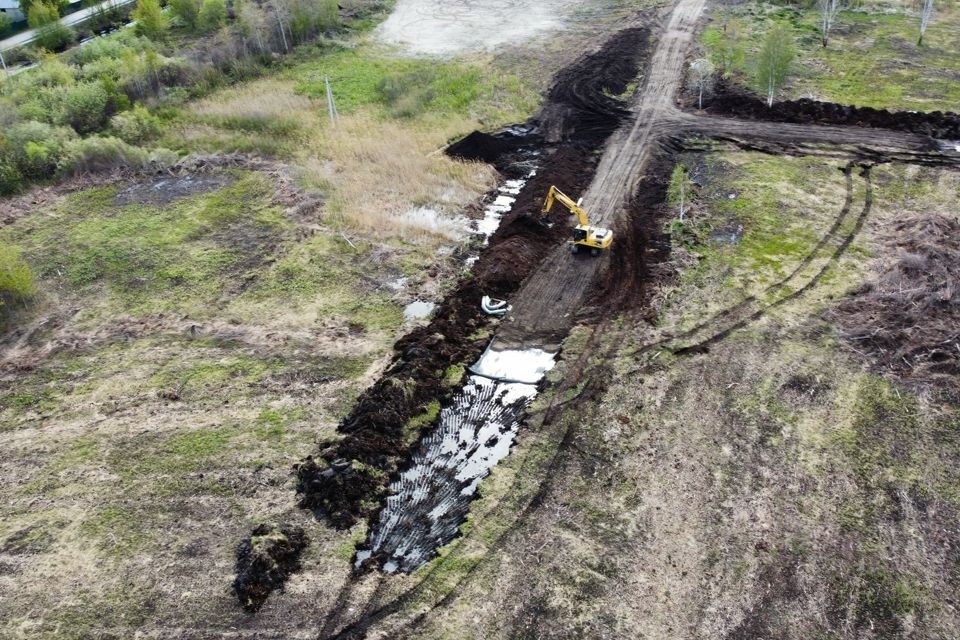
pixel 4 64
pixel 330 105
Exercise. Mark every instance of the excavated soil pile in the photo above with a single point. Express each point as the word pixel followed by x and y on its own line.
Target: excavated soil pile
pixel 349 479
pixel 735 101
pixel 640 254
pixel 908 318
pixel 264 562
pixel 581 105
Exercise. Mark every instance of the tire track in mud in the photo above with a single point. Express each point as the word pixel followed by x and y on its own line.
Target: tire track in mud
pixel 831 262
pixel 780 284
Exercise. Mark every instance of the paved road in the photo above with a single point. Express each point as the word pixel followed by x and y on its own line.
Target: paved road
pixel 26 37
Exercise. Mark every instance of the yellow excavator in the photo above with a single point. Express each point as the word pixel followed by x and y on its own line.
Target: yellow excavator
pixel 584 234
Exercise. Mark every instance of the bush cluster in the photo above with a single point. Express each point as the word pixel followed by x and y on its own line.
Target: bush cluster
pixel 90 89
pixel 16 281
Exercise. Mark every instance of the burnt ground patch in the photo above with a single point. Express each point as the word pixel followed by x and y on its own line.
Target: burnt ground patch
pixel 731 99
pixel 164 189
pixel 907 318
pixel 265 561
pixel 348 480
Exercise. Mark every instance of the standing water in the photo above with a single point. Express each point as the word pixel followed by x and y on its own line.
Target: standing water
pixel 430 500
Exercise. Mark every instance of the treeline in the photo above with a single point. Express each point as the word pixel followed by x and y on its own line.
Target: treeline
pixel 82 109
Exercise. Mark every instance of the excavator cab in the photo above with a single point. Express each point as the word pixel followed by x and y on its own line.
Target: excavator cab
pixel 584 234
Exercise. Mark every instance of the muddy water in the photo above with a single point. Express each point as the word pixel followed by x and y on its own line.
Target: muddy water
pixel 432 497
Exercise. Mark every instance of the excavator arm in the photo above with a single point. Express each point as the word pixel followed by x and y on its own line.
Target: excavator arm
pixel 555 194
pixel 584 235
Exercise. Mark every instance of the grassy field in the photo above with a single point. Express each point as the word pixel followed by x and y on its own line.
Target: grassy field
pixel 872 59
pixel 772 486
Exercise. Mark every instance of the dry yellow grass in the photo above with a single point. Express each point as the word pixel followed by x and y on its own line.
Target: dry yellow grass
pixel 266 98
pixel 375 170
pixel 379 170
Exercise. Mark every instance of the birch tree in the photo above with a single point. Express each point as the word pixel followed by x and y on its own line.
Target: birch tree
pixel 678 191
pixel 828 14
pixel 701 78
pixel 281 9
pixel 775 58
pixel 926 12
pixel 250 22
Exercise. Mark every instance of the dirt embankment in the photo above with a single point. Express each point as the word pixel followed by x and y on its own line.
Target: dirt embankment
pixel 348 480
pixel 729 99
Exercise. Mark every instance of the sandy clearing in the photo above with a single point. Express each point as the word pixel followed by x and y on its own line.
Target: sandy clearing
pixel 437 27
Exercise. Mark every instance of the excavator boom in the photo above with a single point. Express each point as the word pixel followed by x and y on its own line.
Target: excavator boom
pixel 584 234
pixel 567 201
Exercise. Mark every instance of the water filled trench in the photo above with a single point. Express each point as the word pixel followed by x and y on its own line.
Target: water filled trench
pixel 430 500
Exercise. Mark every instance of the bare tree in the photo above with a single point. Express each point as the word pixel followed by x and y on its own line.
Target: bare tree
pixel 701 78
pixel 680 185
pixel 926 12
pixel 250 22
pixel 281 9
pixel 828 13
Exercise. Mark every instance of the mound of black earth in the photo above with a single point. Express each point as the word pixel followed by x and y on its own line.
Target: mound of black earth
pixel 265 561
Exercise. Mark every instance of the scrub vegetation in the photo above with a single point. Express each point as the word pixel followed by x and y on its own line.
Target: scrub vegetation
pixel 872 58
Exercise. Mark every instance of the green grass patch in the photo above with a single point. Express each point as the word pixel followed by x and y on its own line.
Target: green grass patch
pixel 17 284
pixel 406 87
pixel 872 59
pixel 177 257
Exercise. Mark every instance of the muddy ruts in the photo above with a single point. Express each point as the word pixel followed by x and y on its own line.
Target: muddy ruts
pixel 348 479
pixel 581 105
pixel 431 498
pixel 731 100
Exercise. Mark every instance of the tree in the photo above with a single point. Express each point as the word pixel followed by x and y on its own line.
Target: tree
pixel 701 78
pixel 6 25
pixel 185 11
pixel 776 56
pixel 212 16
pixel 52 34
pixel 726 48
pixel 40 14
pixel 926 12
pixel 678 192
pixel 250 22
pixel 282 11
pixel 151 21
pixel 828 13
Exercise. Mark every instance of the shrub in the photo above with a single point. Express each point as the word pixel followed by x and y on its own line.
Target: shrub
pixel 407 94
pixel 11 180
pixel 16 281
pixel 151 21
pixel 86 106
pixel 185 12
pixel 6 25
pixel 105 153
pixel 136 126
pixel 40 14
pixel 54 36
pixel 36 147
pixel 212 16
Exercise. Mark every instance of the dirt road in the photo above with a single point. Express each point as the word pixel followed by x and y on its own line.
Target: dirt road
pixel 547 304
